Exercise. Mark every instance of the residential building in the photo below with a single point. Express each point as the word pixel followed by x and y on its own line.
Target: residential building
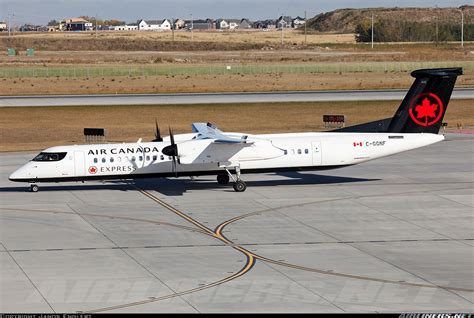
pixel 222 24
pixel 3 26
pixel 75 24
pixel 126 27
pixel 298 21
pixel 284 22
pixel 207 24
pixel 233 23
pixel 264 24
pixel 245 24
pixel 179 24
pixel 154 25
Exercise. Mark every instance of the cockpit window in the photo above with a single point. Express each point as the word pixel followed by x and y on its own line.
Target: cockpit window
pixel 50 156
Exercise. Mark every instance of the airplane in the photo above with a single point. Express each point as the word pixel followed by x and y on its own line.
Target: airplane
pixel 210 151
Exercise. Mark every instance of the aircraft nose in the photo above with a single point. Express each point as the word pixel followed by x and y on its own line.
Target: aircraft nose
pixel 18 175
pixel 14 176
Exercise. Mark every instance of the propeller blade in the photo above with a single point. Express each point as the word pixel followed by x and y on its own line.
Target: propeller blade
pixel 171 136
pixel 157 132
pixel 175 170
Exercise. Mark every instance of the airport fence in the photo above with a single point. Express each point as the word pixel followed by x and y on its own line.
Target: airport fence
pixel 107 71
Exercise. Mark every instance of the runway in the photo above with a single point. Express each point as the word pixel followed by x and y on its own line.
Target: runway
pixel 214 98
pixel 391 235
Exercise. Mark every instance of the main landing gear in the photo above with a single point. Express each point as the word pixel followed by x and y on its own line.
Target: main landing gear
pixel 34 187
pixel 223 179
pixel 239 185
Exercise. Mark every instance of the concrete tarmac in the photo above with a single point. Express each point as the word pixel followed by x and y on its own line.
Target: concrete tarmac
pixel 391 235
pixel 214 98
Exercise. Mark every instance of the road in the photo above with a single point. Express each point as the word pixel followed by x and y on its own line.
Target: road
pixel 214 98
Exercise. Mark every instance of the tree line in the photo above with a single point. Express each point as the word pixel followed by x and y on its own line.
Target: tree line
pixel 408 31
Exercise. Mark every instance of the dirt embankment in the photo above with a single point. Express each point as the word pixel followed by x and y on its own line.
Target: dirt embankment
pixel 345 20
pixel 21 43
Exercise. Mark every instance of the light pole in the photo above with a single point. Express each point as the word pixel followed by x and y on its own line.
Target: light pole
pixel 305 27
pixel 192 27
pixel 172 29
pixel 281 25
pixel 372 28
pixel 462 28
pixel 9 24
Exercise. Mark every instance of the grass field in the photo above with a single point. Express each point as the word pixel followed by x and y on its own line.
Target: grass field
pixel 197 40
pixel 171 70
pixel 37 128
pixel 228 61
pixel 212 83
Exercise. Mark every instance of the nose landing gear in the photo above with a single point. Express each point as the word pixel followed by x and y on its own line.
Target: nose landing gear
pixel 34 188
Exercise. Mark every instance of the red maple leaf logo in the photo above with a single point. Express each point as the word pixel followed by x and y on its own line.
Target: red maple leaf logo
pixel 92 170
pixel 430 108
pixel 426 109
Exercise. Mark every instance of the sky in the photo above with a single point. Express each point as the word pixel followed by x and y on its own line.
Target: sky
pixel 42 11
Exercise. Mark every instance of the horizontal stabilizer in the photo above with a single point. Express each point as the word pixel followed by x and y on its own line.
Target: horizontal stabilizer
pixel 371 127
pixel 210 131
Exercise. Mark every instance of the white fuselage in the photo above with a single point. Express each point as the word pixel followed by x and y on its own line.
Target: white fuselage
pixel 270 152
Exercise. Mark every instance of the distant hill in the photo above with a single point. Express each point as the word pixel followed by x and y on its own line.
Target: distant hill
pixel 346 20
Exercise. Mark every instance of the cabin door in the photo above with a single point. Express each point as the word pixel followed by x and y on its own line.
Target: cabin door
pixel 79 163
pixel 317 153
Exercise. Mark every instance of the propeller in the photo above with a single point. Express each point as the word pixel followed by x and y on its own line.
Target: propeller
pixel 172 151
pixel 157 133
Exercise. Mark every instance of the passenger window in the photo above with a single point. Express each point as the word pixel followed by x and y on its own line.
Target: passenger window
pixel 133 159
pixel 111 159
pixel 103 160
pixel 162 157
pixel 119 159
pixel 147 158
pixel 299 151
pixel 140 158
pixel 95 160
pixel 285 152
pixel 292 151
pixel 306 151
pixel 154 158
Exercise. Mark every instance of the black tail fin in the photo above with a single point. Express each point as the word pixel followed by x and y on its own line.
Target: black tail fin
pixel 423 108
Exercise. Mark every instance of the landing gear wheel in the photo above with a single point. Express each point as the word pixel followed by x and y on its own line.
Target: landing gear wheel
pixel 34 188
pixel 239 186
pixel 223 179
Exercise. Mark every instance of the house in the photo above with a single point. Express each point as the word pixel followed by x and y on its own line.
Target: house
pixel 222 24
pixel 264 24
pixel 284 22
pixel 154 25
pixel 245 24
pixel 3 26
pixel 179 24
pixel 207 24
pixel 126 27
pixel 298 21
pixel 233 23
pixel 75 24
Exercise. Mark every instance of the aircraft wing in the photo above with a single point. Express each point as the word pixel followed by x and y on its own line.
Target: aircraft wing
pixel 210 131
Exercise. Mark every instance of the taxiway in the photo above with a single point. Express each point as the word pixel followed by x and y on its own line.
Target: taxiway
pixel 214 98
pixel 395 234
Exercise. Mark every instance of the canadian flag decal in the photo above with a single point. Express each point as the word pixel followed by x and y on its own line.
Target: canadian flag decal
pixel 357 144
